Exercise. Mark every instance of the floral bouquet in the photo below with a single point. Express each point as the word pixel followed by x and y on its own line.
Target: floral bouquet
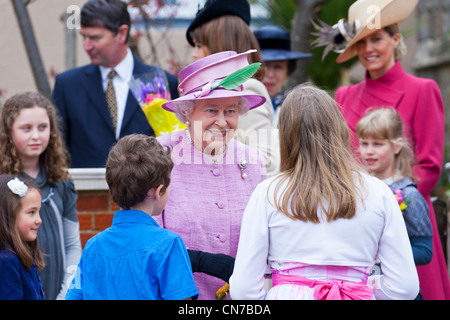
pixel 151 90
pixel 398 194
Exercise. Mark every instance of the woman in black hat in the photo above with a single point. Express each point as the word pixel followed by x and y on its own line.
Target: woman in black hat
pixel 278 60
pixel 223 25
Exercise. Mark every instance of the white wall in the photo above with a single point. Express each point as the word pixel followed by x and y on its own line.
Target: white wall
pixel 15 70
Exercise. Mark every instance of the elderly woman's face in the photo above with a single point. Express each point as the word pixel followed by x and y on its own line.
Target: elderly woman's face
pixel 376 52
pixel 213 122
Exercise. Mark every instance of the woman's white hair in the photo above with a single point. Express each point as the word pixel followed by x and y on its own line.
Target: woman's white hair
pixel 183 109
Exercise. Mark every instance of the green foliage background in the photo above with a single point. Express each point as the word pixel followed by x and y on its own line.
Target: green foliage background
pixel 326 73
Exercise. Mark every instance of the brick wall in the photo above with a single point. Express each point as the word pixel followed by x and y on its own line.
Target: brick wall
pixel 94 205
pixel 95 212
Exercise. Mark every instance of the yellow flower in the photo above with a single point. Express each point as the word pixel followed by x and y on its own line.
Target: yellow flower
pixel 223 291
pixel 161 120
pixel 402 206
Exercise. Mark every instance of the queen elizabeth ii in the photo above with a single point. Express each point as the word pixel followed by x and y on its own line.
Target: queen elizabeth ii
pixel 214 174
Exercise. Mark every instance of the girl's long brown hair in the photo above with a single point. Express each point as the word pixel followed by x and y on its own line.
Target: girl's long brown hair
pixel 10 203
pixel 55 156
pixel 229 33
pixel 318 171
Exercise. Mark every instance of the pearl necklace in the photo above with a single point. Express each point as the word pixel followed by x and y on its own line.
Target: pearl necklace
pixel 214 157
pixel 243 163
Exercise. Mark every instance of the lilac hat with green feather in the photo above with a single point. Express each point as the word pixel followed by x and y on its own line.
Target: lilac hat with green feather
pixel 216 76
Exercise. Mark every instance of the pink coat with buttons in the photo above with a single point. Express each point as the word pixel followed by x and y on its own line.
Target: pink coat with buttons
pixel 207 199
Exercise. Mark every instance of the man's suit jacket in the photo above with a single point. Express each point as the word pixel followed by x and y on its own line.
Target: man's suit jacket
pixel 86 124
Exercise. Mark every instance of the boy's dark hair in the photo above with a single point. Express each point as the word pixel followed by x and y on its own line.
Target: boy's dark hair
pixel 136 164
pixel 109 14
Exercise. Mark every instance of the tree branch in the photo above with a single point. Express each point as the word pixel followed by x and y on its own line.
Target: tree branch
pixel 29 39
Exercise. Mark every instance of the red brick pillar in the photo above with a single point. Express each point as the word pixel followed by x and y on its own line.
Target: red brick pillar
pixel 94 205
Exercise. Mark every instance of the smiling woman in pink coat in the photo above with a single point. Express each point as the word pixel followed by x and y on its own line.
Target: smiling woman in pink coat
pixel 372 34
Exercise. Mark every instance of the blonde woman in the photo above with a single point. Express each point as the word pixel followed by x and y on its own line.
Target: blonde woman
pixel 321 222
pixel 372 34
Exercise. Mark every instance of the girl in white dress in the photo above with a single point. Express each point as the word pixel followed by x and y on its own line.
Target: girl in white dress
pixel 321 222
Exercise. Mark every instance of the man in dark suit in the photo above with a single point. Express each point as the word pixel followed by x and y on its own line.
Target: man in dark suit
pixel 90 123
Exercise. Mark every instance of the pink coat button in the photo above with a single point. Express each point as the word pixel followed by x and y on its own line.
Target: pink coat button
pixel 216 172
pixel 222 238
pixel 220 204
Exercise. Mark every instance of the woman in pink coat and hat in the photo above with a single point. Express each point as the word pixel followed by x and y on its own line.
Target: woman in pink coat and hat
pixel 214 174
pixel 372 34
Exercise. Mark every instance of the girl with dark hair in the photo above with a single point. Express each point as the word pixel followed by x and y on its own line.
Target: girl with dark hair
pixel 20 256
pixel 31 146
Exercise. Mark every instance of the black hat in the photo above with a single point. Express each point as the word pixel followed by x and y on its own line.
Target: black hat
pixel 275 43
pixel 217 8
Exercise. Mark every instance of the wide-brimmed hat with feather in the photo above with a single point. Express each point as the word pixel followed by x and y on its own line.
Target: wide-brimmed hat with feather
pixel 364 18
pixel 219 75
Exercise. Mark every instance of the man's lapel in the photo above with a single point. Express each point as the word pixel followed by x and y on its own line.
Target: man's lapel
pixel 132 108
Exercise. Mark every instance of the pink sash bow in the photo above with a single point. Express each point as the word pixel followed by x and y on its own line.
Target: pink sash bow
pixel 332 290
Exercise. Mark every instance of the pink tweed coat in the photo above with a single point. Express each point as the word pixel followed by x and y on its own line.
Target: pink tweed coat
pixel 419 103
pixel 207 199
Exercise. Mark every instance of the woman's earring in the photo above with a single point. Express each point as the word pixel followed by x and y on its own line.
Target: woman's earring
pixel 187 123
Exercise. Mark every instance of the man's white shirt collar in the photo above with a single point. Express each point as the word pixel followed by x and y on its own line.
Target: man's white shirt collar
pixel 124 69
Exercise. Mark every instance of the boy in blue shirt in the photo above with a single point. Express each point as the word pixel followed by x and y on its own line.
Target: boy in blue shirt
pixel 135 258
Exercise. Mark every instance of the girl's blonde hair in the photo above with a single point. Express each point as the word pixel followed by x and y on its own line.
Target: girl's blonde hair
pixel 386 123
pixel 229 33
pixel 10 204
pixel 316 160
pixel 54 158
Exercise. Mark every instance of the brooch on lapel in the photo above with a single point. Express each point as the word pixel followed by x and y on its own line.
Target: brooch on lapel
pixel 243 163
